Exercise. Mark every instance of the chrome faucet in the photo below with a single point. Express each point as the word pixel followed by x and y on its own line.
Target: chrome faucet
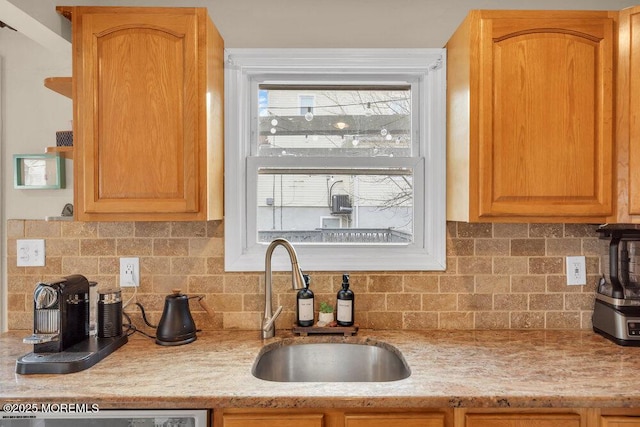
pixel 297 282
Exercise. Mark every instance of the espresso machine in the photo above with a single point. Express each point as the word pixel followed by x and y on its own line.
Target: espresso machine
pixel 616 313
pixel 61 337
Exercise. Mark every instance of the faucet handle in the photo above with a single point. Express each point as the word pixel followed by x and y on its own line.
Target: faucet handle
pixel 268 324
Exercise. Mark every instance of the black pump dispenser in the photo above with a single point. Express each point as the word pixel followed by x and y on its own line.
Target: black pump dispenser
pixel 305 304
pixel 345 303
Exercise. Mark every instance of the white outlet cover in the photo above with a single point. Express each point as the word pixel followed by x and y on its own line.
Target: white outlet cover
pixel 30 253
pixel 129 272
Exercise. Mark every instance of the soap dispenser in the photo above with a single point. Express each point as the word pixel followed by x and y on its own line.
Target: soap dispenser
pixel 345 303
pixel 304 306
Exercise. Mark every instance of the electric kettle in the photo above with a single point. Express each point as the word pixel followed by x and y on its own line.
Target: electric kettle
pixel 176 325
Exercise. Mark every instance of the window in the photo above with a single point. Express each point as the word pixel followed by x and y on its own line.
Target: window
pixel 341 152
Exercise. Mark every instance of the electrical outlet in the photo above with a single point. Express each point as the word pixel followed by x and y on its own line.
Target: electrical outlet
pixel 129 272
pixel 576 270
pixel 30 253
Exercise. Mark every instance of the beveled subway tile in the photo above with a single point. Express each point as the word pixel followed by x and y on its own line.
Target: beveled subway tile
pixel 419 320
pixel 403 302
pixel 385 320
pixel 475 302
pixel 491 284
pixel 87 266
pixel 209 247
pixel 580 230
pixel 15 228
pixel 475 265
pixel 79 229
pixel 382 283
pixel 97 247
pixel 475 230
pixel 134 247
pixel 460 247
pixel 170 247
pixel 62 247
pixel 492 247
pixel 115 229
pixel 527 320
pixel 546 302
pixel 546 230
pixel 510 302
pixel 426 283
pixel 152 229
pixel 457 284
pixel 546 265
pixel 527 247
pixel 189 229
pixel 456 320
pixel 40 229
pixel 562 320
pixel 564 247
pixel 491 320
pixel 439 302
pixel 528 284
pixel 509 230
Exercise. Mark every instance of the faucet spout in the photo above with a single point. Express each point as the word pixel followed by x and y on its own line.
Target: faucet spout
pixel 297 282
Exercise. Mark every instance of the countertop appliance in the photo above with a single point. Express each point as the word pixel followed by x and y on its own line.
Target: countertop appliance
pixel 176 325
pixel 616 313
pixel 61 341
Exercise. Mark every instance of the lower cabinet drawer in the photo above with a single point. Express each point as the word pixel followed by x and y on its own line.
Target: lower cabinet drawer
pixel 522 420
pixel 273 420
pixel 394 420
pixel 619 421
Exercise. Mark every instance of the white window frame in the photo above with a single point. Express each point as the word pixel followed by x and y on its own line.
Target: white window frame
pixel 246 68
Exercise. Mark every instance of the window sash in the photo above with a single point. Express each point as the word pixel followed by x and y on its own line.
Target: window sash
pixel 425 68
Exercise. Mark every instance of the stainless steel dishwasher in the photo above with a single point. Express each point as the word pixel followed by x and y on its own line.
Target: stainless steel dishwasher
pixel 105 418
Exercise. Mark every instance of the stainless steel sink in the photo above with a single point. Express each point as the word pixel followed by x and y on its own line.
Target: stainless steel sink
pixel 330 362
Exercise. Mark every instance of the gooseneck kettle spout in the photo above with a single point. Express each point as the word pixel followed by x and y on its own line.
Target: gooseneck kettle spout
pixel 297 282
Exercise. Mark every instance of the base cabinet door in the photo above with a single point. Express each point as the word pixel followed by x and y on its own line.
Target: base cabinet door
pixel 394 420
pixel 616 421
pixel 522 420
pixel 273 420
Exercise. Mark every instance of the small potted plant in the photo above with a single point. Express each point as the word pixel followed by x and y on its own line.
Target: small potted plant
pixel 325 316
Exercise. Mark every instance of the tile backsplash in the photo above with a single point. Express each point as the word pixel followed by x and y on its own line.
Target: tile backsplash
pixel 499 276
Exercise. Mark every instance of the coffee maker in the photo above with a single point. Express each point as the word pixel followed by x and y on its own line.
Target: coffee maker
pixel 616 313
pixel 61 339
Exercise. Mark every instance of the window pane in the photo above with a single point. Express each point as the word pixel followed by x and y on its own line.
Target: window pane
pixel 364 121
pixel 373 207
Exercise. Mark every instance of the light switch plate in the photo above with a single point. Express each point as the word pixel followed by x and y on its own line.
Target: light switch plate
pixel 30 253
pixel 576 270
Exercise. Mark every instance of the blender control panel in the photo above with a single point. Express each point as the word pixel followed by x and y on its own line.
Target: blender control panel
pixel 633 328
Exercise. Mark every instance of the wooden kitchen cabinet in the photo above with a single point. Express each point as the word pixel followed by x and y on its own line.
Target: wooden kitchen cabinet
pixel 619 421
pixel 147 91
pixel 394 420
pixel 300 417
pixel 273 420
pixel 522 420
pixel 530 117
pixel 628 117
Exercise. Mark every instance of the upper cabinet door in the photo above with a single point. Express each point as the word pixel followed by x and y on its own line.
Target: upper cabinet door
pixel 532 140
pixel 628 116
pixel 140 101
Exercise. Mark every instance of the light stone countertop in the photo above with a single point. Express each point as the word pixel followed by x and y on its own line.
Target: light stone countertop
pixel 502 368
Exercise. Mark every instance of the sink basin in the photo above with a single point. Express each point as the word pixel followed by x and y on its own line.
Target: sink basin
pixel 330 362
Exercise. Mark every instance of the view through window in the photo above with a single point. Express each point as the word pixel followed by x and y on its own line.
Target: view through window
pixel 330 203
